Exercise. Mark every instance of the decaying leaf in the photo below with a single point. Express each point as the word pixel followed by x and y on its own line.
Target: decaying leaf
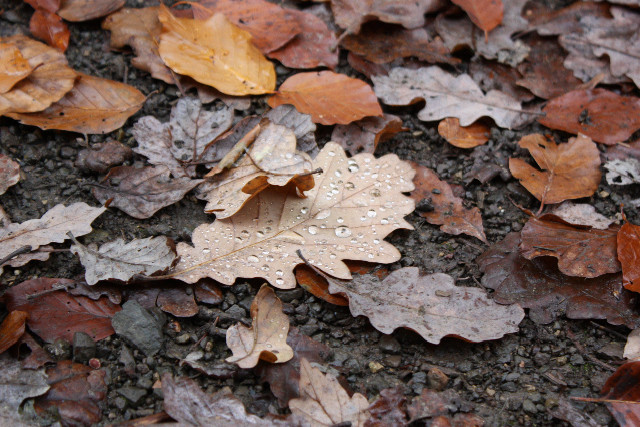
pixel 448 211
pixel 94 105
pixel 119 260
pixel 48 5
pixel 16 385
pixel 448 96
pixel 266 339
pixel 355 203
pixel 11 329
pixel 100 157
pixel 323 401
pixel 539 286
pixel 56 314
pixel 9 173
pixel 50 28
pixel 172 296
pixel 49 81
pixel 365 134
pixel 603 115
pixel 215 52
pixel 463 136
pixel 566 20
pixel 389 408
pixel 486 14
pixel 141 192
pixel 14 66
pixel 328 97
pixel 621 394
pixel 491 75
pixel 582 251
pixel 582 214
pixel 575 417
pixel 623 171
pixel 440 407
pixel 85 10
pixel 569 171
pixel 629 255
pixel 37 357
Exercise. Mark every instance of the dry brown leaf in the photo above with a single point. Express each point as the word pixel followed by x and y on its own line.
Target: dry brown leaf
pixel 272 159
pixel 9 173
pixel 215 52
pixel 355 204
pixel 140 29
pixel 50 28
pixel 85 10
pixel 486 14
pixel 323 402
pixel 448 211
pixel 365 134
pixel 11 329
pixel 581 251
pixel 621 394
pixel 14 66
pixel 102 156
pixel 48 5
pixel 328 97
pixel 266 339
pixel 49 81
pixel 629 255
pixel 570 171
pixel 463 136
pixel 94 105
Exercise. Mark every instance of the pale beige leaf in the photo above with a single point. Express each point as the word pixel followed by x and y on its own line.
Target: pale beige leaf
pixel 323 402
pixel 632 348
pixel 266 339
pixel 355 203
pixel 14 66
pixel 9 173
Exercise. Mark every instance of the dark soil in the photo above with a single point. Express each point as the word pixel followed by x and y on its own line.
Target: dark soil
pixel 511 381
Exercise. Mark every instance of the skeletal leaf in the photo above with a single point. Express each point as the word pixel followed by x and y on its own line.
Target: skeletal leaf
pixel 15 66
pixel 118 260
pixel 463 136
pixel 629 255
pixel 355 203
pixel 9 173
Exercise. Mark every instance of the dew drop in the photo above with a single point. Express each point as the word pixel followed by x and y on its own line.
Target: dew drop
pixel 260 234
pixel 304 210
pixel 253 258
pixel 338 173
pixel 371 213
pixel 206 250
pixel 279 281
pixel 376 241
pixel 265 267
pixel 279 273
pixel 349 185
pixel 333 256
pixel 370 256
pixel 312 229
pixel 343 231
pixel 239 239
pixel 331 154
pixel 245 233
pixel 375 192
pixel 384 221
pixel 340 220
pixel 326 213
pixel 353 168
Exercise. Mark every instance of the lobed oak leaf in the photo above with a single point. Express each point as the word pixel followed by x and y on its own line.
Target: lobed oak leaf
pixel 486 14
pixel 14 66
pixel 570 171
pixel 448 211
pixel 16 385
pixel 9 173
pixel 328 97
pixel 365 134
pixel 629 255
pixel 323 401
pixel 215 52
pixel 11 329
pixel 266 339
pixel 463 136
pixel 356 203
pixel 582 251
pixel 50 28
pixel 85 10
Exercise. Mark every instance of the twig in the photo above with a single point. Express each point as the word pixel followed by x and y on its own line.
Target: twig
pixel 23 250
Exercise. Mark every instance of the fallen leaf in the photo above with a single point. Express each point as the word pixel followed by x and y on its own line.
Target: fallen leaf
pixel 9 173
pixel 463 136
pixel 574 416
pixel 353 198
pixel 323 402
pixel 364 135
pixel 448 211
pixel 539 286
pixel 328 97
pixel 368 68
pixel 632 347
pixel 215 52
pixel 486 14
pixel 582 214
pixel 318 286
pixel 623 172
pixel 430 305
pixel 15 66
pixel 141 192
pixel 56 314
pixel 300 123
pixel 49 81
pixel 122 261
pixel 140 29
pixel 267 336
pixel 604 116
pixel 49 28
pixel 491 75
pixel 566 20
pixel 448 96
pixel 85 10
pixel 284 378
pixel 172 296
pixel 11 329
pixel 438 406
pixel 38 357
pixel 48 5
pixel 629 254
pixel 100 157
pixel 581 251
pixel 569 171
pixel 16 385
pixel 94 105
pixel 76 395
pixel 388 409
pixel 621 394
pixel 183 142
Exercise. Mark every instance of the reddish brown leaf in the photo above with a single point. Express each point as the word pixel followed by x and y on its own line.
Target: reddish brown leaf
pixel 364 135
pixel 623 387
pixel 629 255
pixel 570 171
pixel 603 115
pixel 9 173
pixel 48 5
pixel 174 297
pixel 49 28
pixel 317 285
pixel 38 356
pixel 548 293
pixel 448 211
pixel 388 409
pixel 367 68
pixel 14 66
pixel 486 14
pixel 11 329
pixel 101 156
pixel 56 314
pixel 463 136
pixel 581 251
pixel 85 10
pixel 328 97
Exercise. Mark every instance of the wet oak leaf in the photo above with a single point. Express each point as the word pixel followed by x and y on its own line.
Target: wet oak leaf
pixel 448 211
pixel 328 97
pixel 355 203
pixel 9 173
pixel 50 28
pixel 16 385
pixel 141 192
pixel 94 106
pixel 448 96
pixel 323 401
pixel 14 66
pixel 569 171
pixel 629 255
pixel 215 52
pixel 463 136
pixel 119 260
pixel 582 251
pixel 12 328
pixel 85 10
pixel 486 14
pixel 365 134
pixel 266 339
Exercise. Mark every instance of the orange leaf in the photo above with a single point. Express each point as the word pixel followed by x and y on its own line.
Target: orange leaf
pixel 85 10
pixel 317 285
pixel 486 14
pixel 14 66
pixel 49 28
pixel 328 97
pixel 463 136
pixel 570 171
pixel 11 329
pixel 629 254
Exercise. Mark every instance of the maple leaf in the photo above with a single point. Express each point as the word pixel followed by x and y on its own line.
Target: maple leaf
pixel 15 66
pixel 215 52
pixel 448 95
pixel 12 328
pixel 9 173
pixel 365 134
pixel 356 202
pixel 570 171
pixel 16 385
pixel 463 136
pixel 323 401
pixel 85 10
pixel 629 253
